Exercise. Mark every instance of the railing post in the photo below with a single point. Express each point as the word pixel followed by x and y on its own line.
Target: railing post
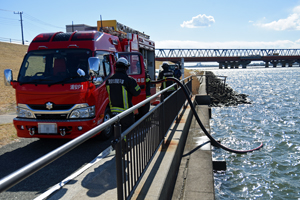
pixel 162 119
pixel 118 149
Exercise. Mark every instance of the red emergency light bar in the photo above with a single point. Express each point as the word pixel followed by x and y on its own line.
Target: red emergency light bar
pixel 90 35
pixel 44 37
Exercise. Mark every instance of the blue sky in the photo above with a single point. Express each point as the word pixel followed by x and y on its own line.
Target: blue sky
pixel 171 24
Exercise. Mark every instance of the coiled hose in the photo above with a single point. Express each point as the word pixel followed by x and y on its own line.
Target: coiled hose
pixel 212 140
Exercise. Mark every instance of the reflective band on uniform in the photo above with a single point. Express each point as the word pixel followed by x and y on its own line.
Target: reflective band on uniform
pixel 125 98
pixel 117 109
pixel 108 91
pixel 137 88
pixel 164 83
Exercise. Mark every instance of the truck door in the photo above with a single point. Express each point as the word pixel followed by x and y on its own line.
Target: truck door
pixel 137 71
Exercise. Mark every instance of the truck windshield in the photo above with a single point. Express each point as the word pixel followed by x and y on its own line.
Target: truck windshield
pixel 54 66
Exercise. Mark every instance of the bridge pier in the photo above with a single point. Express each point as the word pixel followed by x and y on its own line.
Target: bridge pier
pixel 236 65
pixel 232 64
pixel 283 63
pixel 267 64
pixel 245 63
pixel 291 63
pixel 274 63
pixel 220 65
pixel 226 65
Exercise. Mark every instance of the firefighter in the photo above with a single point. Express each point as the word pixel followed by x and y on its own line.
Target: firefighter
pixel 166 73
pixel 121 88
pixel 177 72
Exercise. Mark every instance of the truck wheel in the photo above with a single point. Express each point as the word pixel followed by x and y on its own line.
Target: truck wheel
pixel 106 133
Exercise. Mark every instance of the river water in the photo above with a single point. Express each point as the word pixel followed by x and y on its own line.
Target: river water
pixel 273 118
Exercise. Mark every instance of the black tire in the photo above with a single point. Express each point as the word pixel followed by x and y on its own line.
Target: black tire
pixel 107 133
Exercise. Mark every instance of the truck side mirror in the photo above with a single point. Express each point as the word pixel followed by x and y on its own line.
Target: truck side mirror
pixel 98 80
pixel 80 72
pixel 8 77
pixel 94 64
pixel 116 56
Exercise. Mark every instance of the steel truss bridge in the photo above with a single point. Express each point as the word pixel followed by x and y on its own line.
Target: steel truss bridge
pixel 231 57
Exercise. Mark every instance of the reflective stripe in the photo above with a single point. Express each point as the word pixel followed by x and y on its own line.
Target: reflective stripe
pixel 165 82
pixel 117 109
pixel 137 88
pixel 108 91
pixel 125 98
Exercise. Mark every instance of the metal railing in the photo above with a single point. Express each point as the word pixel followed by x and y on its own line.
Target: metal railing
pixel 136 146
pixel 215 83
pixel 144 137
pixel 14 41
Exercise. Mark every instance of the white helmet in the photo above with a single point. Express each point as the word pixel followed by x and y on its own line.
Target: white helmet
pixel 122 63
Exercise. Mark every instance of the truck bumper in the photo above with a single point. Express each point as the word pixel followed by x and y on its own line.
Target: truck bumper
pixel 68 129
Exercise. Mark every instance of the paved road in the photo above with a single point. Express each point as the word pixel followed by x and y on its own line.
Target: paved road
pixel 7 118
pixel 16 155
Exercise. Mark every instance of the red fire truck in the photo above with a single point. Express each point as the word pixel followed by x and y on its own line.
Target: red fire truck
pixel 60 89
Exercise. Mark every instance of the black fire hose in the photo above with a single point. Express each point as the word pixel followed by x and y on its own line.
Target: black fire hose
pixel 212 140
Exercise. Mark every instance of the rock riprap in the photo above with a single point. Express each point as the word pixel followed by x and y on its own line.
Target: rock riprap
pixel 221 93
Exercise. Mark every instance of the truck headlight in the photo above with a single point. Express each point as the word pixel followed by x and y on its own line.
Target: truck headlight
pixel 86 112
pixel 24 113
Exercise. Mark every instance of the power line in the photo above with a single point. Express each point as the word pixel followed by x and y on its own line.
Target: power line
pixel 9 21
pixel 8 18
pixel 7 10
pixel 40 21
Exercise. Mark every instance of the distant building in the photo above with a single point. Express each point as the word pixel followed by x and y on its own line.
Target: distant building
pixel 80 27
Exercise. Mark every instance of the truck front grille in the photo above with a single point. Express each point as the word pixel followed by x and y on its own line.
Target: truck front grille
pixel 51 116
pixel 55 106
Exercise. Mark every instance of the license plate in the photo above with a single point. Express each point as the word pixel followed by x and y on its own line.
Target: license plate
pixel 49 128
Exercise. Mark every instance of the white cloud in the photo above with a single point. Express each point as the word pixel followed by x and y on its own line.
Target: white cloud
pixel 198 21
pixel 169 44
pixel 292 22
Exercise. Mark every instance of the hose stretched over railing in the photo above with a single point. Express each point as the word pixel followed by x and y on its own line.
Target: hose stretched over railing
pixel 212 140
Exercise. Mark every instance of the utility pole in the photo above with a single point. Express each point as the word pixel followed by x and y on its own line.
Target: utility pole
pixel 21 25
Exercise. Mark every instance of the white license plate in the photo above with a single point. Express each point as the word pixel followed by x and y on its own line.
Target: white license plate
pixel 49 128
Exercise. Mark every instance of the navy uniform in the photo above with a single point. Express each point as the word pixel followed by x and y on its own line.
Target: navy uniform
pixel 166 73
pixel 121 88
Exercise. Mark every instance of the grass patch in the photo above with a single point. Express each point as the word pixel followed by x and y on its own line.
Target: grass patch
pixel 11 56
pixel 8 134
